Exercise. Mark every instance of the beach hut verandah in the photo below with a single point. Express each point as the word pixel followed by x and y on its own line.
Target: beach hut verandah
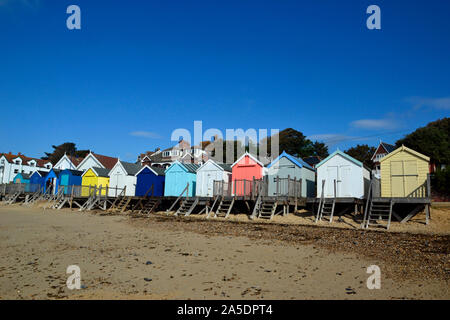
pixel 150 181
pixel 51 181
pixel 70 179
pixel 209 174
pixel 403 172
pixel 123 175
pixel 93 179
pixel 344 176
pixel 287 173
pixel 245 171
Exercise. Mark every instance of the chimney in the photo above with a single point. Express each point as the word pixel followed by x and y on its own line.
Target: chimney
pixel 157 149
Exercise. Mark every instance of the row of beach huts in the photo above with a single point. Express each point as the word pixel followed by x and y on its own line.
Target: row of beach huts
pixel 337 180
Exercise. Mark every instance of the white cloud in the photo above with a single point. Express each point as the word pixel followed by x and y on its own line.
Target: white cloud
pixel 145 134
pixel 377 124
pixel 435 103
pixel 331 139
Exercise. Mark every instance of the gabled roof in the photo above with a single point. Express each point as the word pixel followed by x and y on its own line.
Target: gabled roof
pixel 406 149
pixel 222 166
pixel 10 157
pixel 130 168
pixel 386 146
pixel 99 172
pixel 75 160
pixel 157 171
pixel 40 173
pixel 344 155
pixel 299 162
pixel 73 172
pixel 313 160
pixel 250 156
pixel 105 161
pixel 189 167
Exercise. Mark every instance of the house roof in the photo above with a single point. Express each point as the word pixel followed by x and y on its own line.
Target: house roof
pixel 299 162
pixel 313 160
pixel 156 170
pixel 106 161
pixel 254 158
pixel 10 157
pixel 406 149
pixel 388 147
pixel 343 154
pixel 130 168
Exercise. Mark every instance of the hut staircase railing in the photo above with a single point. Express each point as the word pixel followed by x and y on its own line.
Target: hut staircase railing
pixel 150 206
pixel 120 202
pixel 326 205
pixel 12 198
pixel 187 206
pixel 91 201
pixel 34 197
pixel 217 199
pixel 224 208
pixel 55 199
pixel 267 209
pixel 322 197
pixel 185 190
pixel 140 204
pixel 368 204
pixel 257 207
pixel 380 210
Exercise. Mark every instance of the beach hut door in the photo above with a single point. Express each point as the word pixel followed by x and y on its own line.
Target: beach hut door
pixel 332 174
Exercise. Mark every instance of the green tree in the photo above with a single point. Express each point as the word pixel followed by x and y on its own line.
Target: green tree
pixel 362 153
pixel 68 148
pixel 432 140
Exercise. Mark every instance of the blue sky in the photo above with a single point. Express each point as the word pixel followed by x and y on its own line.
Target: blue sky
pixel 137 70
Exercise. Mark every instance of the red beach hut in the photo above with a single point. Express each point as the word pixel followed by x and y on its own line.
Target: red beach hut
pixel 245 170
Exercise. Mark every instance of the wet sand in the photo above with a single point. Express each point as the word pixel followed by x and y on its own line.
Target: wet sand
pixel 185 258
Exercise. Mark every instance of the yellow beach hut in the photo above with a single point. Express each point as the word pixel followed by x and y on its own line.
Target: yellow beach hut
pixel 404 173
pixel 95 177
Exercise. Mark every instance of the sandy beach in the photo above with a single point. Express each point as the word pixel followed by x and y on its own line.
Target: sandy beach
pixel 165 257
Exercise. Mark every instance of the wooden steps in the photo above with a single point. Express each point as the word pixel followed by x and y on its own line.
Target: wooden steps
pixel 224 209
pixel 187 206
pixel 327 210
pixel 121 205
pixel 267 209
pixel 149 206
pixel 380 213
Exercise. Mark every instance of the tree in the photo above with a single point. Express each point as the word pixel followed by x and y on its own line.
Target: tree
pixel 362 153
pixel 432 140
pixel 68 148
pixel 295 143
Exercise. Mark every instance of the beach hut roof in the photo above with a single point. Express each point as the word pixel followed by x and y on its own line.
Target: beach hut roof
pixel 344 155
pixel 156 170
pixel 222 166
pixel 254 158
pixel 73 172
pixel 189 167
pixel 299 162
pixel 99 172
pixel 403 148
pixel 130 168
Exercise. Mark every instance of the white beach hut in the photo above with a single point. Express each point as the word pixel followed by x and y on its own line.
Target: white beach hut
pixel 351 176
pixel 209 172
pixel 123 174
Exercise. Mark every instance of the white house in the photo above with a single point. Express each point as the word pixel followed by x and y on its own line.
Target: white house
pixel 209 172
pixel 94 160
pixel 123 174
pixel 11 165
pixel 68 162
pixel 351 176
